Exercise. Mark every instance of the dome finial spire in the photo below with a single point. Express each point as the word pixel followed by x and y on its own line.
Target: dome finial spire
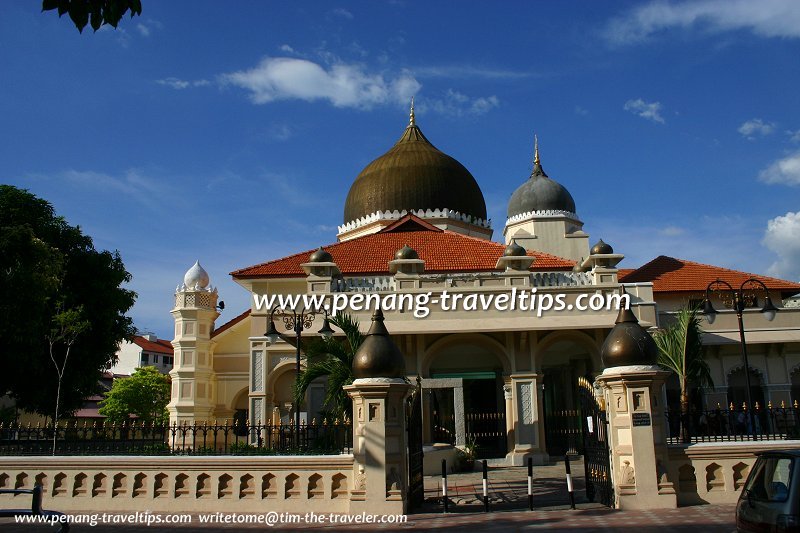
pixel 536 150
pixel 412 121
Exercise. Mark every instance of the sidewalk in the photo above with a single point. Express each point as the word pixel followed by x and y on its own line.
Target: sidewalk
pixel 508 498
pixel 508 488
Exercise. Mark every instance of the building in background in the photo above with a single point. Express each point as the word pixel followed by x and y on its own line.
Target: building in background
pixel 143 350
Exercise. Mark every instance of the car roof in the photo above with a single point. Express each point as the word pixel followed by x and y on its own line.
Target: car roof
pixel 794 452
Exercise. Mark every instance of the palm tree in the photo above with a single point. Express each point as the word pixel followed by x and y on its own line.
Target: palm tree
pixel 680 350
pixel 332 358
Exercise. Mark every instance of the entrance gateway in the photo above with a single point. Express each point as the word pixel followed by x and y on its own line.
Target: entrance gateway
pixel 466 409
pixel 415 495
pixel 596 453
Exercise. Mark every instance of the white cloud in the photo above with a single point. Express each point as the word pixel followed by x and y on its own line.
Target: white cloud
pixel 756 126
pixel 132 183
pixel 672 231
pixel 146 28
pixel 343 85
pixel 581 111
pixel 287 49
pixel 468 72
pixel 458 104
pixel 768 18
pixel 280 132
pixel 794 136
pixel 781 238
pixel 342 13
pixel 648 110
pixel 785 171
pixel 179 84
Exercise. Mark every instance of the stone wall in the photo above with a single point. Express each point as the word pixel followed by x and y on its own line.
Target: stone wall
pixel 715 472
pixel 297 484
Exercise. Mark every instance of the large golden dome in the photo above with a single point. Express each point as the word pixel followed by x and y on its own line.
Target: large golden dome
pixel 414 175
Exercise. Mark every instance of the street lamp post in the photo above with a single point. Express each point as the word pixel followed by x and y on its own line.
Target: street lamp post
pixel 296 322
pixel 739 299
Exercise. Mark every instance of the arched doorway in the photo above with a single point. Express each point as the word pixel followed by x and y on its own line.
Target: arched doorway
pixel 463 401
pixel 241 411
pixel 564 359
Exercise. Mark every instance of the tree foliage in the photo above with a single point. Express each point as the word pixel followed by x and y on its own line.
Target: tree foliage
pixel 67 326
pixel 680 349
pixel 48 267
pixel 94 12
pixel 145 395
pixel 332 358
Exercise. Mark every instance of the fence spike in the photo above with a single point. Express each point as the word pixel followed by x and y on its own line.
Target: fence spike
pixel 783 404
pixel 795 404
pixel 757 406
pixel 769 404
pixel 732 408
pixel 719 406
pixel 744 406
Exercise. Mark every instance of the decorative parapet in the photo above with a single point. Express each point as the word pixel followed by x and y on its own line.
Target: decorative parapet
pixel 366 284
pixel 712 472
pixel 192 298
pixel 388 283
pixel 421 213
pixel 295 484
pixel 547 213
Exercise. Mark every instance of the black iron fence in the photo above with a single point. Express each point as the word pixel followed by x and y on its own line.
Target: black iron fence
pixel 177 439
pixel 732 424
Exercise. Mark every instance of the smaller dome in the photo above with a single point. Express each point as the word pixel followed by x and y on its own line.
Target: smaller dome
pixel 540 193
pixel 602 248
pixel 378 356
pixel 514 250
pixel 196 277
pixel 406 252
pixel 320 256
pixel 628 343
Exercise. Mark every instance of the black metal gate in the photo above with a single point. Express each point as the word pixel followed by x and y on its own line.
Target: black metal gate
pixel 596 458
pixel 416 483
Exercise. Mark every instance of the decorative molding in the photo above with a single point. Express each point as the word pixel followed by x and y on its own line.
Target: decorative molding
pixel 546 213
pixel 526 394
pixel 421 213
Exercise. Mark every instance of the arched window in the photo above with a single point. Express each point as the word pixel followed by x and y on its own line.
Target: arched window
pixel 737 388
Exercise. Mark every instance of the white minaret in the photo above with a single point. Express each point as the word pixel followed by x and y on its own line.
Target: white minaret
pixel 192 373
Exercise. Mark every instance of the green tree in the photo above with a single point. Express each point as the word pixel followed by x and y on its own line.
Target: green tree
pixel 680 350
pixel 332 358
pixel 145 395
pixel 94 12
pixel 47 267
pixel 67 327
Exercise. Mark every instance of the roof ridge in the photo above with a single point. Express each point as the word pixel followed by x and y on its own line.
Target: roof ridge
pixel 661 275
pixel 232 322
pixel 405 219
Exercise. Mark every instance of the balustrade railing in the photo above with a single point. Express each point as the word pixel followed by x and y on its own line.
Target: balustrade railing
pixel 734 424
pixel 76 438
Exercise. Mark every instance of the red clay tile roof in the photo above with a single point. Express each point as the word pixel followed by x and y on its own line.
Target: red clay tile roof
pixel 159 346
pixel 679 275
pixel 442 251
pixel 230 323
pixel 624 272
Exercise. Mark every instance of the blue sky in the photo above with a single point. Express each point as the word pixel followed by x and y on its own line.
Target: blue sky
pixel 232 135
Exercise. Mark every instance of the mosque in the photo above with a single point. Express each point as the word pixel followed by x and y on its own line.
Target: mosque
pixel 415 223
